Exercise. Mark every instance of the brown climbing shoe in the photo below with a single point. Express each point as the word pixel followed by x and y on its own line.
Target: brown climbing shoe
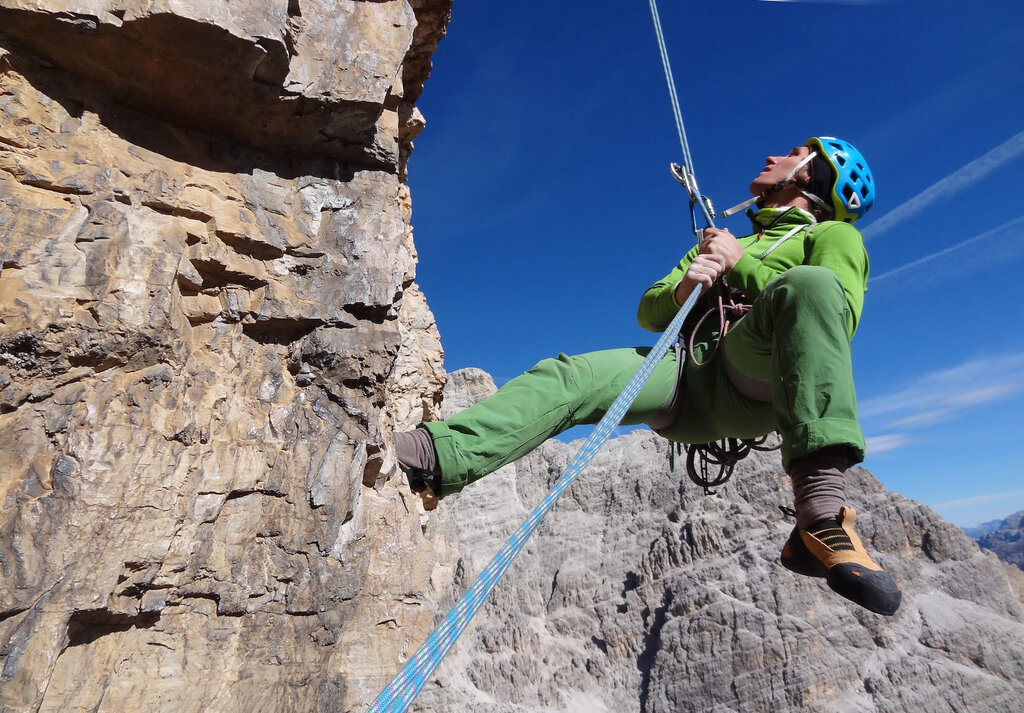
pixel 831 549
pixel 424 484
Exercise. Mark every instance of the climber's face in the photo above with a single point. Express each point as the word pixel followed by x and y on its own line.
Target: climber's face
pixel 777 168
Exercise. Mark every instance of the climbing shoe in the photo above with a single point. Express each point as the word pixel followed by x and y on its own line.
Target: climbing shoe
pixel 423 483
pixel 831 549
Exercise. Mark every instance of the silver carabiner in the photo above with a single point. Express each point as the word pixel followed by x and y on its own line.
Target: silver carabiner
pixel 685 178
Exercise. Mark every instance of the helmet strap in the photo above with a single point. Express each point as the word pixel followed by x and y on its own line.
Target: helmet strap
pixel 818 202
pixel 777 187
pixel 740 206
pixel 789 176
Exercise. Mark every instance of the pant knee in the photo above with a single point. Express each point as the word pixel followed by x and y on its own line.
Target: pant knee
pixel 808 283
pixel 568 376
pixel 811 291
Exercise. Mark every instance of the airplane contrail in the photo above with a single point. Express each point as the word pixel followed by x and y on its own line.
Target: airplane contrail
pixel 966 175
pixel 1010 227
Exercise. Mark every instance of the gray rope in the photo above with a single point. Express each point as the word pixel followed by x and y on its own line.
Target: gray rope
pixel 687 179
pixel 676 112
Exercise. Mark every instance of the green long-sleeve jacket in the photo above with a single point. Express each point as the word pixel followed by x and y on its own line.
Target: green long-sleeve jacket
pixel 785 237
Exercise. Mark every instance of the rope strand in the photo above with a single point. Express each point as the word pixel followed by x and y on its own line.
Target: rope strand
pixel 689 179
pixel 673 97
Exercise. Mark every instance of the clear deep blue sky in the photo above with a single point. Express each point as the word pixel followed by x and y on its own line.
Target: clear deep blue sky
pixel 543 206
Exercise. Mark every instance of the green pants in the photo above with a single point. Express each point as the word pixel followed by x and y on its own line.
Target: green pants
pixel 793 341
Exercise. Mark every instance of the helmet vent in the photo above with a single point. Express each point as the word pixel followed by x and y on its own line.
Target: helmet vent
pixel 852 189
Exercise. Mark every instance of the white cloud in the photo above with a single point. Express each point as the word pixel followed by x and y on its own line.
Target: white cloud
pixel 967 502
pixel 966 175
pixel 887 442
pixel 978 258
pixel 920 420
pixel 939 395
pixel 984 394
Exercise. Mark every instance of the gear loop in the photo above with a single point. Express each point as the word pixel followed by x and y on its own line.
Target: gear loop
pixel 724 454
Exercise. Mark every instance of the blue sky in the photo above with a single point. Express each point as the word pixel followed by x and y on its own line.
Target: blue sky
pixel 543 206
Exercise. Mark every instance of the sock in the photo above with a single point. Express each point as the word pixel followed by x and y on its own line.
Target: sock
pixel 415 449
pixel 819 486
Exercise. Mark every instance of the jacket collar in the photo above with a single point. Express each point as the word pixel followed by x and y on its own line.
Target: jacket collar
pixel 768 218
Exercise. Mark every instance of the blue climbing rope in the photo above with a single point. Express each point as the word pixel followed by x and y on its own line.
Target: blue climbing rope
pixel 399 694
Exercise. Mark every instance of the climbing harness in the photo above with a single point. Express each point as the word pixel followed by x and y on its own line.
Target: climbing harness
pixel 710 465
pixel 400 692
pixel 703 458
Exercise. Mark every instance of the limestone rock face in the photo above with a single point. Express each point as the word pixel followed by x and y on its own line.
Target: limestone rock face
pixel 639 593
pixel 208 328
pixel 336 78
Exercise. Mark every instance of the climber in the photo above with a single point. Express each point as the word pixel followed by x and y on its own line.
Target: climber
pixel 783 365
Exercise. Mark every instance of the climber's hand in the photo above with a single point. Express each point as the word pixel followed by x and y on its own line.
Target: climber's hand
pixel 720 242
pixel 704 270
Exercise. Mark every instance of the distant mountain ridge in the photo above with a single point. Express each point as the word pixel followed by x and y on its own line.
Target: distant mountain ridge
pixel 1003 537
pixel 1013 522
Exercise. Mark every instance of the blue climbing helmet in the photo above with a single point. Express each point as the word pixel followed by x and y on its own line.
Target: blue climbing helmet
pixel 850 189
